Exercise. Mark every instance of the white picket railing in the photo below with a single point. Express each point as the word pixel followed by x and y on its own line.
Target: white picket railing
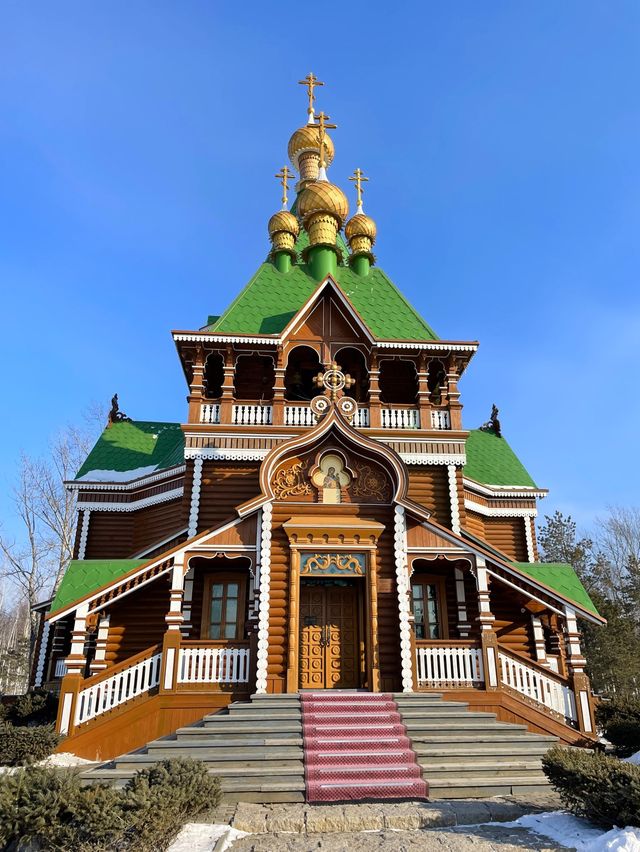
pixel 457 667
pixel 361 418
pixel 400 418
pixel 252 415
pixel 115 690
pixel 548 691
pixel 213 665
pixel 440 419
pixel 298 415
pixel 60 669
pixel 210 412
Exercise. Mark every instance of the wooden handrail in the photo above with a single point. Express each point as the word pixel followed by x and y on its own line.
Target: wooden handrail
pixel 215 643
pixel 119 667
pixel 447 643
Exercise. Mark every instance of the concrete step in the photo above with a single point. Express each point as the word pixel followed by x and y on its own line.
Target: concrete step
pixel 445 714
pixel 472 787
pixel 261 706
pixel 501 735
pixel 223 767
pixel 462 756
pixel 230 726
pixel 204 751
pixel 205 738
pixel 435 772
pixel 454 727
pixel 275 715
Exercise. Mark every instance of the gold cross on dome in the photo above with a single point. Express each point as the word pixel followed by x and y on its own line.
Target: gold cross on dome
pixel 310 81
pixel 359 178
pixel 284 176
pixel 323 126
pixel 334 381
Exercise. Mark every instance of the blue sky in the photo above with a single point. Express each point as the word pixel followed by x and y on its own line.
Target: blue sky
pixel 137 147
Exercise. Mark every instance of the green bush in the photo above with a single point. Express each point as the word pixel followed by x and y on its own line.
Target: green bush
pixel 52 809
pixel 39 707
pixel 19 746
pixel 619 709
pixel 620 723
pixel 602 789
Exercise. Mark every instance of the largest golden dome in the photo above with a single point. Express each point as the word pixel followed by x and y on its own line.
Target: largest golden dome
pixel 307 138
pixel 323 197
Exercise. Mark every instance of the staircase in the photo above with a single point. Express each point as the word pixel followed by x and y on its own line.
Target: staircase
pixel 348 746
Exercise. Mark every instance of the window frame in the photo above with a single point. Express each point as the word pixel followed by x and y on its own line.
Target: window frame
pixel 423 580
pixel 224 578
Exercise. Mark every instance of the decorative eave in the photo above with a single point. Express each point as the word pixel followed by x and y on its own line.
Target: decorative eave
pixel 130 485
pixel 212 336
pixel 435 345
pixel 504 491
pixel 501 512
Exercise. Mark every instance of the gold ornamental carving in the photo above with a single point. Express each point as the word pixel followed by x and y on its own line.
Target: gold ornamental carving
pixel 333 563
pixel 291 482
pixel 371 483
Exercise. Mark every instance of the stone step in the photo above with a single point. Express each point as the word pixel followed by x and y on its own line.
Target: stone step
pixel 473 752
pixel 427 703
pixel 416 696
pixel 223 766
pixel 462 737
pixel 205 738
pixel 484 727
pixel 438 771
pixel 445 714
pixel 205 751
pixel 261 706
pixel 274 715
pixel 229 725
pixel 471 787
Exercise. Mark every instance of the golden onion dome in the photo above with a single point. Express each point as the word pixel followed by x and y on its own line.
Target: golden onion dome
pixel 323 197
pixel 361 225
pixel 307 138
pixel 283 221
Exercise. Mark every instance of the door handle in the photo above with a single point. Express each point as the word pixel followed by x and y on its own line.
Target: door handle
pixel 324 641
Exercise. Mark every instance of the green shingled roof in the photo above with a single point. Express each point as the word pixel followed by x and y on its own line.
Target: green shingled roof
pixel 491 461
pixel 561 577
pixel 138 447
pixel 84 576
pixel 271 299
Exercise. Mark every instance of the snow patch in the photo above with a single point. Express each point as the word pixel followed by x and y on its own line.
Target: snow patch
pixel 204 837
pixel 634 759
pixel 116 475
pixel 576 833
pixel 64 758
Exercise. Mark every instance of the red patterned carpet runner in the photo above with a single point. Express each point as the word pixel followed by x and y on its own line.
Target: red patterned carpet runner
pixel 356 748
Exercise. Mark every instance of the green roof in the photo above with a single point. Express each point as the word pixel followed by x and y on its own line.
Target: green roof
pixel 491 461
pixel 272 298
pixel 129 449
pixel 84 576
pixel 561 577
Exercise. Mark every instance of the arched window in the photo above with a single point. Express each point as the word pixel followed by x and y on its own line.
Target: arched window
pixel 254 377
pixel 398 382
pixel 213 376
pixel 303 365
pixel 352 362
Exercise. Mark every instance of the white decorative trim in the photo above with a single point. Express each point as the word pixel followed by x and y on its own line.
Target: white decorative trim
pixel 503 490
pixel 265 581
pixel 195 337
pixel 195 498
pixel 404 609
pixel 84 532
pixel 499 512
pixel 42 654
pixel 66 712
pixel 453 498
pixel 528 533
pixel 432 458
pixel 135 504
pixel 132 485
pixel 438 346
pixel 228 453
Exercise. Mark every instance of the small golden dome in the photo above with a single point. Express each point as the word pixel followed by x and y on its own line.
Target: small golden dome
pixel 361 225
pixel 307 138
pixel 323 197
pixel 283 221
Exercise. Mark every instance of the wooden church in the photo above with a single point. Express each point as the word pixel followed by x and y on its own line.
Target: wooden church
pixel 321 534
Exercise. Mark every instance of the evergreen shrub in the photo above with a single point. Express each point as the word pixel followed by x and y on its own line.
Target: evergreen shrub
pixel 602 789
pixel 39 707
pixel 620 723
pixel 52 810
pixel 19 746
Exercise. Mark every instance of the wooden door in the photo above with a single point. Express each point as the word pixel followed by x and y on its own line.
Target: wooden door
pixel 328 637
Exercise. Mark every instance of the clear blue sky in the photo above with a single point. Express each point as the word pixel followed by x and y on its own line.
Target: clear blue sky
pixel 137 147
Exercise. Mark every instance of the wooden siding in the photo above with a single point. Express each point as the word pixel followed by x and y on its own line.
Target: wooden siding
pixel 507 534
pixel 223 488
pixel 474 523
pixel 429 486
pixel 120 535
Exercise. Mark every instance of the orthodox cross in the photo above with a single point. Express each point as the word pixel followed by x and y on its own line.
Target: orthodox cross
pixel 284 176
pixel 334 380
pixel 323 126
pixel 310 81
pixel 359 178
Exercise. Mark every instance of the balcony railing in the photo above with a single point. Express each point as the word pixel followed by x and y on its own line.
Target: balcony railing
pixel 400 418
pixel 202 664
pixel 252 414
pixel 298 415
pixel 452 666
pixel 440 419
pixel 210 412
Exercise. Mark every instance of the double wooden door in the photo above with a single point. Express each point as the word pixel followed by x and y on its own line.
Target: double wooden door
pixel 328 636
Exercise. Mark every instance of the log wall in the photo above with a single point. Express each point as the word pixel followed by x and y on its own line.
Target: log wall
pixel 429 486
pixel 137 621
pixel 507 534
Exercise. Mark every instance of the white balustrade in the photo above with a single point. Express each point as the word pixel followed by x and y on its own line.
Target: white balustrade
pixel 210 412
pixel 440 419
pixel 60 669
pixel 298 415
pixel 361 418
pixel 115 690
pixel 528 681
pixel 457 667
pixel 252 415
pixel 400 418
pixel 213 665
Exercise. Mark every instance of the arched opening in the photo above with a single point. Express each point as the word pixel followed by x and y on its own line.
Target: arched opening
pixel 303 365
pixel 254 377
pixel 398 382
pixel 352 362
pixel 436 380
pixel 213 376
pixel 220 598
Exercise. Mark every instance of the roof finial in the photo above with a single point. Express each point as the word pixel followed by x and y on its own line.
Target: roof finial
pixel 284 176
pixel 310 81
pixel 359 178
pixel 323 126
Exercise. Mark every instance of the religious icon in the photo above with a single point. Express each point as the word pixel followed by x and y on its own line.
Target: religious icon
pixel 330 477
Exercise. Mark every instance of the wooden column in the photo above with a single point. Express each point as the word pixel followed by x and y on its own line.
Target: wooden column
pixel 453 395
pixel 424 403
pixel 99 661
pixel 226 400
pixel 375 416
pixel 488 637
pixel 279 389
pixel 463 625
pixel 196 390
pixel 373 654
pixel 538 641
pixel 172 637
pixel 174 617
pixel 577 675
pixel 294 622
pixel 72 682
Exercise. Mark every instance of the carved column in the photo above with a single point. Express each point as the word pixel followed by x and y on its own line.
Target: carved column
pixel 72 682
pixel 174 617
pixel 374 650
pixel 424 403
pixel 577 675
pixel 279 389
pixel 461 601
pixel 226 400
pixel 187 599
pixel 539 643
pixel 294 621
pixel 375 416
pixel 265 593
pixel 486 618
pixel 99 661
pixel 453 395
pixel 194 507
pixel 196 390
pixel 404 606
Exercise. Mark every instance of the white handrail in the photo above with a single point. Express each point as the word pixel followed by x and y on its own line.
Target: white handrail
pixel 120 687
pixel 528 681
pixel 400 418
pixel 361 418
pixel 252 415
pixel 440 419
pixel 213 665
pixel 210 412
pixel 455 666
pixel 298 415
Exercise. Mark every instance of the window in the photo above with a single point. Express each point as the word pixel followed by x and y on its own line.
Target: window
pixel 225 599
pixel 428 609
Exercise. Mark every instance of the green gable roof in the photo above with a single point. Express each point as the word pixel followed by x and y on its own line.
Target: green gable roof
pixel 271 299
pixel 129 449
pixel 561 577
pixel 84 576
pixel 491 461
